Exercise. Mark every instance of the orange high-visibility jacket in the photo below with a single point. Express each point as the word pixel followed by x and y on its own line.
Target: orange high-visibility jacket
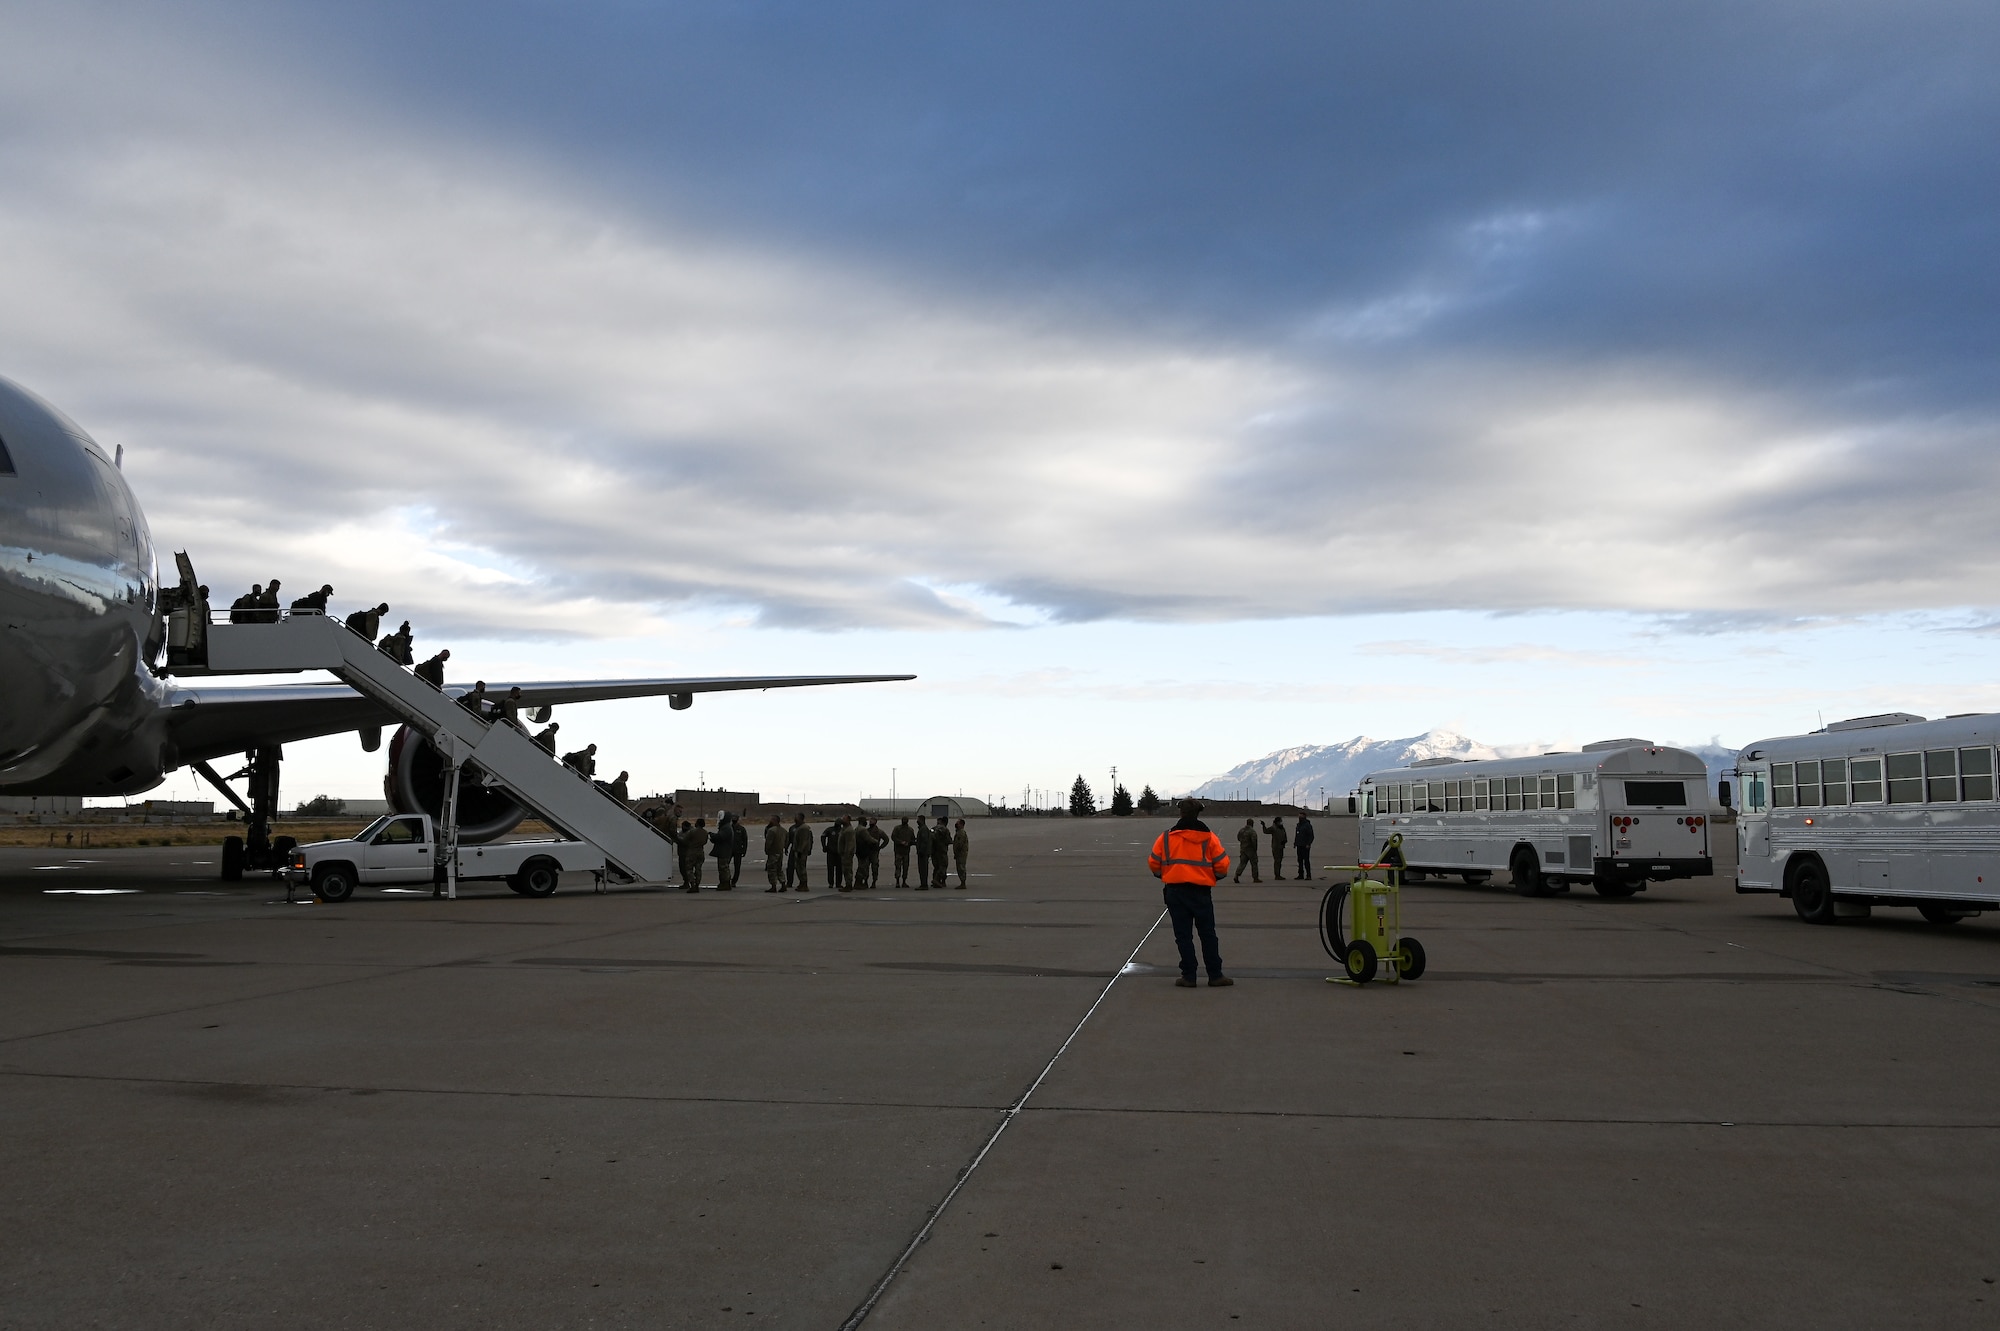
pixel 1184 855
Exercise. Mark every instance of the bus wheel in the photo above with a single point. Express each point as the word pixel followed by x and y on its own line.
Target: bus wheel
pixel 1939 913
pixel 1527 871
pixel 1812 895
pixel 1615 887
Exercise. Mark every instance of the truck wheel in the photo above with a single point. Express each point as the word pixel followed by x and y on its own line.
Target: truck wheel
pixel 1614 887
pixel 333 882
pixel 538 877
pixel 1409 959
pixel 232 859
pixel 1361 961
pixel 1940 913
pixel 1812 895
pixel 1527 871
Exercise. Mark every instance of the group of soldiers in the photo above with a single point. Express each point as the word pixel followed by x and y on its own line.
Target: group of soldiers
pixel 1247 844
pixel 852 846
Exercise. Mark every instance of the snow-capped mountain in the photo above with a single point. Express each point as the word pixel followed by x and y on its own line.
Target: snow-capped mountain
pixel 1299 775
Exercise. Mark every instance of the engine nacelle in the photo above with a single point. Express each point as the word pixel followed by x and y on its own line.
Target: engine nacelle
pixel 415 784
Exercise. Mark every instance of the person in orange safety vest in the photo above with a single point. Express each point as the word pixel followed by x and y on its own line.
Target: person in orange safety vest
pixel 1188 859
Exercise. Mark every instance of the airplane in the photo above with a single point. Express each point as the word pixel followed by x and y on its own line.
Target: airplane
pixel 85 707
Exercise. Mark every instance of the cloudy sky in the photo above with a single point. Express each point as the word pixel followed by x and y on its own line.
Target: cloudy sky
pixel 1163 383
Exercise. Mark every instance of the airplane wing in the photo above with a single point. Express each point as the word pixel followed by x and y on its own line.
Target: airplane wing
pixel 210 722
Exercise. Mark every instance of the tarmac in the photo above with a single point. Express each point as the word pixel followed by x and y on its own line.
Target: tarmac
pixel 659 1110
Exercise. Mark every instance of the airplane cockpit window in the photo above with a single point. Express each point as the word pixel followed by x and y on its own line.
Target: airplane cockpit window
pixel 400 833
pixel 6 462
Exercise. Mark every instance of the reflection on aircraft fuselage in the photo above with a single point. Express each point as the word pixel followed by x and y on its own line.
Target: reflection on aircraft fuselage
pixel 80 712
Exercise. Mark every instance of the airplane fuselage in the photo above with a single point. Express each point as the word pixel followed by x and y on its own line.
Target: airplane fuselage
pixel 80 711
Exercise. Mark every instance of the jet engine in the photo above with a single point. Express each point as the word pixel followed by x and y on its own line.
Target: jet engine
pixel 415 784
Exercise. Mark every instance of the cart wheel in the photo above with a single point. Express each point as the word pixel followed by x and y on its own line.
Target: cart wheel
pixel 1331 936
pixel 1361 961
pixel 1409 958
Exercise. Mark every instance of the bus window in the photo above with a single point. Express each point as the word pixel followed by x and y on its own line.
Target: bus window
pixel 1781 786
pixel 1566 791
pixel 1482 796
pixel 1808 791
pixel 1833 782
pixel 1451 796
pixel 1368 802
pixel 1672 794
pixel 1867 774
pixel 1941 776
pixel 1753 792
pixel 1513 792
pixel 1906 778
pixel 1548 784
pixel 1975 771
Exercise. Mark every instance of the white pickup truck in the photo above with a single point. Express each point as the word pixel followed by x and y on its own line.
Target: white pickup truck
pixel 402 848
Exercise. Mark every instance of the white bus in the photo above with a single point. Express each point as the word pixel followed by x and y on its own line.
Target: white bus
pixel 1616 815
pixel 1888 810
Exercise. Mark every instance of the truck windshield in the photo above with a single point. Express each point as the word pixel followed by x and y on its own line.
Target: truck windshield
pixel 372 828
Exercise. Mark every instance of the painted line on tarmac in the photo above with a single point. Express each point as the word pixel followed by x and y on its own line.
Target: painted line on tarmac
pixel 860 1314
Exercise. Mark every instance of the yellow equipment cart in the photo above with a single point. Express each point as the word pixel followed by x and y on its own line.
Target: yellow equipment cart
pixel 1361 927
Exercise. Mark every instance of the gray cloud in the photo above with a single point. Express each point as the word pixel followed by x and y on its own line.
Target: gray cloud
pixel 1307 316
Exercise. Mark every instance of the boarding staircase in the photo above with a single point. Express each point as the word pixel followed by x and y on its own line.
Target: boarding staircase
pixel 303 640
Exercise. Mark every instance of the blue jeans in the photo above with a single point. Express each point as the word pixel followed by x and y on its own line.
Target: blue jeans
pixel 1193 908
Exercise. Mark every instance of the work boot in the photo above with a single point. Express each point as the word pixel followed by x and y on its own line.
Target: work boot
pixel 1185 982
pixel 1218 982
pixel 690 889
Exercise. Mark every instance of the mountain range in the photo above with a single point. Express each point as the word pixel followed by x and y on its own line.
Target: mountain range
pixel 1312 774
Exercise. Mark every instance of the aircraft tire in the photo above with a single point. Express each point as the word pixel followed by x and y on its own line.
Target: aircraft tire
pixel 232 859
pixel 1940 913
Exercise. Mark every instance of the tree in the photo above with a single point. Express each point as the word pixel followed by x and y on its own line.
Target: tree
pixel 323 806
pixel 1148 801
pixel 1082 804
pixel 1121 801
